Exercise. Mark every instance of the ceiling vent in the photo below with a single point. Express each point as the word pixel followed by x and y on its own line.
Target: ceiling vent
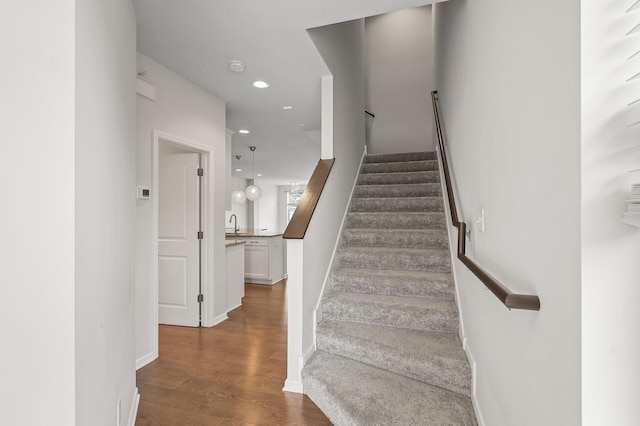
pixel 236 66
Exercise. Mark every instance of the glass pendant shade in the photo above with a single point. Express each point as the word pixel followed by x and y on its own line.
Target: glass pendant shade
pixel 238 197
pixel 253 192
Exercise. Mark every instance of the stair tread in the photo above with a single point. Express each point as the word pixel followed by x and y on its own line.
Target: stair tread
pixel 353 393
pixel 397 204
pixel 400 157
pixel 384 237
pixel 419 313
pixel 383 250
pixel 390 178
pixel 396 282
pixel 428 356
pixel 425 197
pixel 410 166
pixel 387 185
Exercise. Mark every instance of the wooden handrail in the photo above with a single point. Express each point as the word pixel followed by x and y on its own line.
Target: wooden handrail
pixel 304 212
pixel 507 297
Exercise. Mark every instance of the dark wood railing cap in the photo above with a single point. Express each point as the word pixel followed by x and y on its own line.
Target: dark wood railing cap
pixel 299 223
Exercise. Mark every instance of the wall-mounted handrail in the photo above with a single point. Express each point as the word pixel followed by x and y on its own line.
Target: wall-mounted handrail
pixel 304 212
pixel 511 300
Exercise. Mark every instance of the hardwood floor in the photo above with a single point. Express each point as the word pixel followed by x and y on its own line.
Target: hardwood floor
pixel 231 374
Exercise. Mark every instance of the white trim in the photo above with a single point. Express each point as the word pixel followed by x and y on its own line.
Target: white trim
pixel 217 320
pixel 292 386
pixel 145 89
pixel 296 385
pixel 474 381
pixel 234 307
pixel 146 359
pixel 133 411
pixel 327 275
pixel 207 242
pixel 453 244
pixel 308 354
pixel 207 255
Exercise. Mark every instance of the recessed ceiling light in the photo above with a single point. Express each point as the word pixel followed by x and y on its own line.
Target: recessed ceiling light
pixel 236 65
pixel 259 174
pixel 287 107
pixel 243 131
pixel 261 84
pixel 238 170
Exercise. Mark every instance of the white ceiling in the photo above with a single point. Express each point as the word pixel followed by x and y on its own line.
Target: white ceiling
pixel 198 38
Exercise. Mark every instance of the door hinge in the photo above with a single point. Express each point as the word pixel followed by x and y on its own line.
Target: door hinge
pixel 200 235
pixel 200 298
pixel 200 172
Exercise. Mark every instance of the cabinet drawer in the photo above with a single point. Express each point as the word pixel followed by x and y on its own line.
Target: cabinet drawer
pixel 258 242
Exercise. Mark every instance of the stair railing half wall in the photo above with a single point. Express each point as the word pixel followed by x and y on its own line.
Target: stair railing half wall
pixel 507 297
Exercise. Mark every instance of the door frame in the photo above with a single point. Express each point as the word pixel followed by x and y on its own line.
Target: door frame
pixel 206 262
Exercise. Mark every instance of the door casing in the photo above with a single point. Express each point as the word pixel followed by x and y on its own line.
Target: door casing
pixel 206 263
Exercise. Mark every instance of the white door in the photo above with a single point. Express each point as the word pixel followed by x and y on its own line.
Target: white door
pixel 178 243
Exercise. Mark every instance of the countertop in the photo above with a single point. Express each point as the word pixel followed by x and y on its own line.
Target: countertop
pixel 230 243
pixel 252 233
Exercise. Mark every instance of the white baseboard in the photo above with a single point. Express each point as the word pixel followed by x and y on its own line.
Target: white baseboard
pixel 234 307
pixel 217 320
pixel 474 394
pixel 307 355
pixel 146 359
pixel 292 386
pixel 133 412
pixel 327 275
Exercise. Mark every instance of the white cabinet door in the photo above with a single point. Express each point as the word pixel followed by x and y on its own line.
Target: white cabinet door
pixel 178 244
pixel 256 260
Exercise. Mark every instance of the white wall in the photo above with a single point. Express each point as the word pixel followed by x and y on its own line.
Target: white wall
pixel 266 207
pixel 341 46
pixel 37 117
pixel 105 210
pixel 399 74
pixel 508 77
pixel 186 111
pixel 610 249
pixel 240 210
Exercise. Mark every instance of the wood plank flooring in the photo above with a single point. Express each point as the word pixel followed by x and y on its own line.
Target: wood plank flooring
pixel 231 374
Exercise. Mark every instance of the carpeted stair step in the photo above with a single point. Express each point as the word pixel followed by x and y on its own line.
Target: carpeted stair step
pixel 430 357
pixel 414 238
pixel 416 313
pixel 403 156
pixel 406 166
pixel 399 190
pixel 406 259
pixel 388 220
pixel 398 178
pixel 392 282
pixel 353 393
pixel 397 204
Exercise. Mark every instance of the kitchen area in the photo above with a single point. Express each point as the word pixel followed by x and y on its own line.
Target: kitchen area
pixel 255 249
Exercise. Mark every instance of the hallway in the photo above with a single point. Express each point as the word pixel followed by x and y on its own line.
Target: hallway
pixel 231 374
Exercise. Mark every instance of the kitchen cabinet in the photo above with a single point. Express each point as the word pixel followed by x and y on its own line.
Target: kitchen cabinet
pixel 234 252
pixel 263 258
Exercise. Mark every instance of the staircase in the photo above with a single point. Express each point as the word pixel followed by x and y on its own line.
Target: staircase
pixel 388 349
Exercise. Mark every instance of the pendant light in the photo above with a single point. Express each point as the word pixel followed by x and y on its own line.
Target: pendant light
pixel 253 192
pixel 238 196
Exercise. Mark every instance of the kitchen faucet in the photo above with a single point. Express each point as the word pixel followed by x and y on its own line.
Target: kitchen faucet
pixel 235 223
